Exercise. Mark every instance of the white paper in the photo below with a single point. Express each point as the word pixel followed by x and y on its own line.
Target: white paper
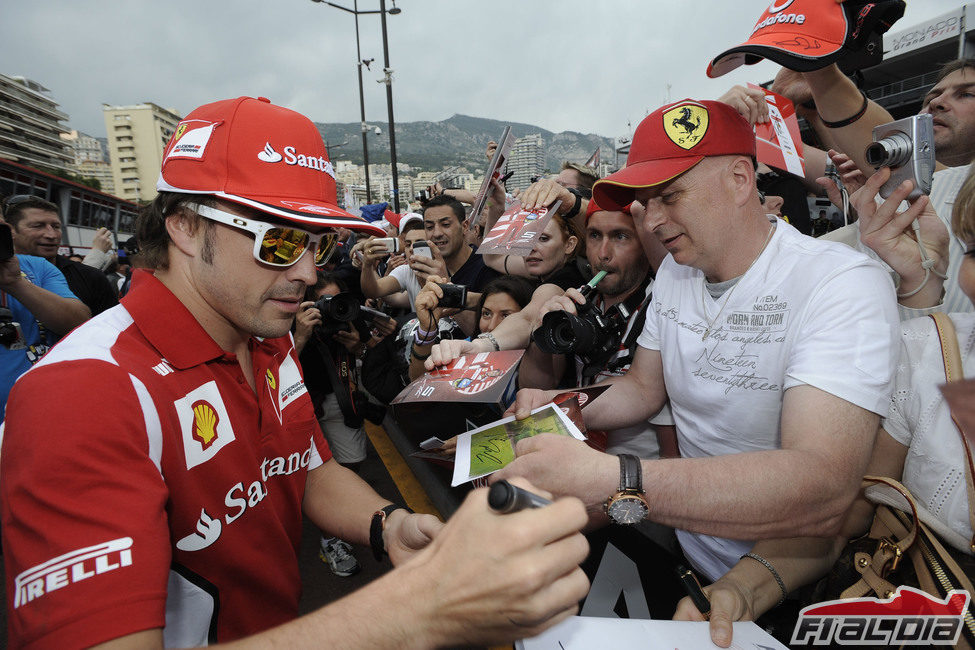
pixel 463 471
pixel 586 633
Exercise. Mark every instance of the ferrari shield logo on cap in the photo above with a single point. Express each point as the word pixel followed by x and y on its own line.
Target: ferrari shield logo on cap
pixel 686 124
pixel 190 139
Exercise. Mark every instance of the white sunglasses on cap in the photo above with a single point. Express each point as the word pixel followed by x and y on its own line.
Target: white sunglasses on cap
pixel 273 244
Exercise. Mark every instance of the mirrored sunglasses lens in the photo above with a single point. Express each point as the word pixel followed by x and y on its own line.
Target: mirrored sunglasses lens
pixel 283 246
pixel 325 248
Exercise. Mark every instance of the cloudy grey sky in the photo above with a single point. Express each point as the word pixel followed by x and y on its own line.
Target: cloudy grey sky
pixel 588 66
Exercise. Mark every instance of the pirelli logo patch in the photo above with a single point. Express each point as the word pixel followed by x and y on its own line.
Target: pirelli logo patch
pixel 71 568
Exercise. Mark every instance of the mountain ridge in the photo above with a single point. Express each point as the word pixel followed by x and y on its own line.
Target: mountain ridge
pixel 459 140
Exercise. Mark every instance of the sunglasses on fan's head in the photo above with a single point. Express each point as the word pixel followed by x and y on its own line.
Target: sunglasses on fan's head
pixel 275 244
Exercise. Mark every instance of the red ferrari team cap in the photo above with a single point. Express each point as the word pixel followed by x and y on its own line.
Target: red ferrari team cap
pixel 670 141
pixel 806 35
pixel 263 156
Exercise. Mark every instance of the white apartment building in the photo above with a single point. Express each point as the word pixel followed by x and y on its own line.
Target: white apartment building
pixel 526 159
pixel 30 125
pixel 137 136
pixel 89 159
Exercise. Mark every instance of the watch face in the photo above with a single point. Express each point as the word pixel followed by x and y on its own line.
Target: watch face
pixel 628 509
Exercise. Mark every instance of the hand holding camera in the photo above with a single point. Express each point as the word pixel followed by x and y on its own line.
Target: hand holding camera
pixel 426 260
pixel 906 147
pixel 9 265
pixel 376 250
pixel 914 242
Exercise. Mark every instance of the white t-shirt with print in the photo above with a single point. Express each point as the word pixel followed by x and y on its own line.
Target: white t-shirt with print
pixel 806 312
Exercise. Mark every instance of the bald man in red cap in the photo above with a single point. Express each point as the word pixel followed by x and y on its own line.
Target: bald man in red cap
pixel 776 351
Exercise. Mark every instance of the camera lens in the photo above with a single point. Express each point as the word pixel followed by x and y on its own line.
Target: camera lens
pixel 892 151
pixel 564 333
pixel 342 307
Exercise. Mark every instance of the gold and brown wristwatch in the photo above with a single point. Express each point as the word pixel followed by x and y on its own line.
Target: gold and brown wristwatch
pixel 629 505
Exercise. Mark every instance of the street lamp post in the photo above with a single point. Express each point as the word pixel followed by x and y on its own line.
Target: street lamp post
pixel 388 80
pixel 362 100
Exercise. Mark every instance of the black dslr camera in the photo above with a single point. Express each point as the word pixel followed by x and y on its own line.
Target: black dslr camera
pixel 343 309
pixel 11 336
pixel 589 334
pixel 6 242
pixel 338 312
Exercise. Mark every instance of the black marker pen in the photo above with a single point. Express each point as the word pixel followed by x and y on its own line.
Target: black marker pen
pixel 504 497
pixel 693 588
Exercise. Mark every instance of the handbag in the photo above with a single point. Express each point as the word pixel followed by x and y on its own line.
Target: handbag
pixel 900 548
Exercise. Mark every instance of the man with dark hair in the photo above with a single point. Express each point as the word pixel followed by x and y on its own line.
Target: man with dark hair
pixel 850 117
pixel 37 231
pixel 36 308
pixel 171 515
pixel 445 221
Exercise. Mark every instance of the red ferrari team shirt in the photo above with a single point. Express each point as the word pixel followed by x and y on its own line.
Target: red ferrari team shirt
pixel 146 485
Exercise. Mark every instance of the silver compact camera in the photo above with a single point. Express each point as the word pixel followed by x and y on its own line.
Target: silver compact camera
pixel 907 147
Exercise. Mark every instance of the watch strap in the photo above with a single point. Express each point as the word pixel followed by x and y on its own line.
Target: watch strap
pixel 376 530
pixel 631 473
pixel 577 206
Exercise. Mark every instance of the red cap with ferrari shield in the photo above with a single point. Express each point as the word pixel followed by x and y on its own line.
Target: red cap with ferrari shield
pixel 670 141
pixel 263 156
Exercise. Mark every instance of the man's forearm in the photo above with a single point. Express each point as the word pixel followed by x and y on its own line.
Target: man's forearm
pixel 56 313
pixel 369 281
pixel 837 98
pixel 625 403
pixel 391 611
pixel 752 495
pixel 341 503
pixel 539 369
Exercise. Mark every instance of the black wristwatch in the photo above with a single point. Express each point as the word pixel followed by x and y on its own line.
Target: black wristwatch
pixel 376 530
pixel 629 505
pixel 578 205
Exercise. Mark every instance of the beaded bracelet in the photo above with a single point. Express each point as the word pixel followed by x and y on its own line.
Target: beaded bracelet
pixel 775 574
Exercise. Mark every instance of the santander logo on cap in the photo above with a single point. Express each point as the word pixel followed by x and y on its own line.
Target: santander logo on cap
pixel 291 157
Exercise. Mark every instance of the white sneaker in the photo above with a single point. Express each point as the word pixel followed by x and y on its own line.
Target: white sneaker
pixel 338 555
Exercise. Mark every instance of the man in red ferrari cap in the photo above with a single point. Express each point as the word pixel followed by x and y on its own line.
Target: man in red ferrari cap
pixel 158 500
pixel 776 351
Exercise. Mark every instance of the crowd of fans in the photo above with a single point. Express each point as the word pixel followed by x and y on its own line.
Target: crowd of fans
pixel 755 372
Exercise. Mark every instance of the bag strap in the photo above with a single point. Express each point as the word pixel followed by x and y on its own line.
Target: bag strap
pixel 951 356
pixel 894 540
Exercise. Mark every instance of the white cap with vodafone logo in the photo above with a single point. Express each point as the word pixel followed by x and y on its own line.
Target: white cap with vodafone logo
pixel 251 152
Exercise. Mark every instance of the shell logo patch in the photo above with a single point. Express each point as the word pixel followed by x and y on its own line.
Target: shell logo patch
pixel 686 124
pixel 204 423
pixel 271 381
